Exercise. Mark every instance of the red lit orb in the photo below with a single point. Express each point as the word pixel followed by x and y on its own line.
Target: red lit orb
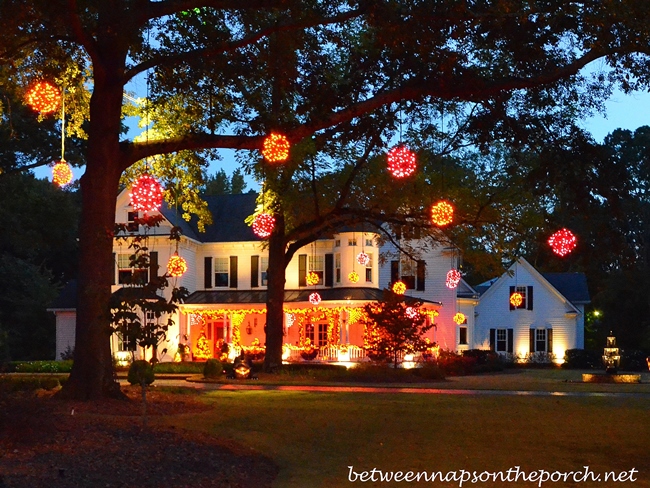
pixel 401 162
pixel 176 266
pixel 314 298
pixel 61 173
pixel 562 242
pixel 276 148
pixel 263 225
pixel 312 278
pixel 411 312
pixel 399 288
pixel 363 259
pixel 353 277
pixel 43 97
pixel 146 194
pixel 442 213
pixel 516 299
pixel 453 278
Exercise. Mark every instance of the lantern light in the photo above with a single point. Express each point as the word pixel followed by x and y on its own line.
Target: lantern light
pixel 460 318
pixel 146 194
pixel 263 225
pixel 453 278
pixel 43 97
pixel 275 148
pixel 363 259
pixel 562 242
pixel 401 161
pixel 61 173
pixel 176 266
pixel 353 277
pixel 314 298
pixel 442 213
pixel 399 288
pixel 312 278
pixel 516 299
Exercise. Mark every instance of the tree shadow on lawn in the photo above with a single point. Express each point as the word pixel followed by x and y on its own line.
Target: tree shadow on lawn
pixel 45 441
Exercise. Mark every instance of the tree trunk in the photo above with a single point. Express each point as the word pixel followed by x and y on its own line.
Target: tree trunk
pixel 92 375
pixel 275 297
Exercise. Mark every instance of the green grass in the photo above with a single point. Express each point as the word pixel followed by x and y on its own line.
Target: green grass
pixel 314 437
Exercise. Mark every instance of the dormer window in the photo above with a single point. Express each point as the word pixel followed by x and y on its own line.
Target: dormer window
pixel 131 221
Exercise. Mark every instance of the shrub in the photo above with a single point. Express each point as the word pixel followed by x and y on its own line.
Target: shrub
pixel 40 366
pixel 455 364
pixel 29 383
pixel 582 359
pixel 429 371
pixel 212 369
pixel 140 371
pixel 68 354
pixel 633 360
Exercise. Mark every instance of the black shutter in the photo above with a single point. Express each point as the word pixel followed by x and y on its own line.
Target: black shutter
pixel 207 272
pixel 529 298
pixel 233 271
pixel 512 290
pixel 532 340
pixel 153 265
pixel 114 269
pixel 549 340
pixel 255 271
pixel 511 340
pixel 394 271
pixel 302 270
pixel 329 269
pixel 493 337
pixel 419 279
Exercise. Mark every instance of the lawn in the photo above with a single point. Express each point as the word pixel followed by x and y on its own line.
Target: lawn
pixel 315 437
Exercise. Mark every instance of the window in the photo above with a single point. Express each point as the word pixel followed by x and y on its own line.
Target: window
pixel 502 340
pixel 369 269
pixel 337 266
pixel 309 332
pixel 221 271
pixel 369 242
pixel 408 272
pixel 126 343
pixel 352 242
pixel 131 224
pixel 264 263
pixel 127 274
pixel 462 336
pixel 337 243
pixel 322 334
pixel 540 340
pixel 316 265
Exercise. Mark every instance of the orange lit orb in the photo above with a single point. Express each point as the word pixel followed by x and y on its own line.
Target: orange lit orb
pixel 314 298
pixel 61 173
pixel 516 299
pixel 453 278
pixel 459 318
pixel 176 266
pixel 399 287
pixel 353 277
pixel 401 162
pixel 43 97
pixel 562 242
pixel 146 194
pixel 312 278
pixel 276 148
pixel 442 213
pixel 263 225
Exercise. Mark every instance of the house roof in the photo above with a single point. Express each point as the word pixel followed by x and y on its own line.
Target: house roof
pixel 206 297
pixel 573 286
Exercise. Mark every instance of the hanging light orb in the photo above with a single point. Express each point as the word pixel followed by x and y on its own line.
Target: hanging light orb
pixel 516 299
pixel 353 277
pixel 442 213
pixel 43 97
pixel 176 266
pixel 399 288
pixel 460 318
pixel 562 242
pixel 411 312
pixel 401 162
pixel 146 194
pixel 363 259
pixel 312 278
pixel 61 173
pixel 314 298
pixel 275 148
pixel 453 278
pixel 263 225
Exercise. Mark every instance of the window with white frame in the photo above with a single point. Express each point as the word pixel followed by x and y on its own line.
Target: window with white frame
pixel 264 266
pixel 128 274
pixel 522 291
pixel 502 340
pixel 408 272
pixel 540 340
pixel 369 269
pixel 352 242
pixel 125 342
pixel 221 269
pixel 309 332
pixel 337 243
pixel 462 335
pixel 337 267
pixel 131 224
pixel 317 265
pixel 369 242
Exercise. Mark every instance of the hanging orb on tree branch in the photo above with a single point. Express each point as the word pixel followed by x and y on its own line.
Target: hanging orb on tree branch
pixel 399 288
pixel 146 194
pixel 275 148
pixel 43 97
pixel 176 266
pixel 314 298
pixel 442 213
pixel 263 225
pixel 312 278
pixel 562 242
pixel 401 162
pixel 363 259
pixel 353 277
pixel 516 299
pixel 453 278
pixel 61 173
